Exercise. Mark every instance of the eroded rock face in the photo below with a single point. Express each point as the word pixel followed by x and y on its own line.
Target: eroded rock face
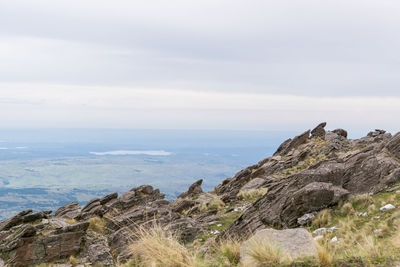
pixel 394 145
pixel 69 211
pixel 369 170
pixel 319 131
pixel 25 247
pixel 194 190
pixel 289 144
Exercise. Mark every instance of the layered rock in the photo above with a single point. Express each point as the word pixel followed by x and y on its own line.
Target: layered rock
pixel 367 170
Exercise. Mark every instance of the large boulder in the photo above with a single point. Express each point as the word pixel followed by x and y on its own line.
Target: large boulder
pixel 297 243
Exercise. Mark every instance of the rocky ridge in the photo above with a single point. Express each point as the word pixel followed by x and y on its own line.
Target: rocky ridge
pixel 313 171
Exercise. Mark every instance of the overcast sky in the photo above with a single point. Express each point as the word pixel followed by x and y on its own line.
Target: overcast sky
pixel 210 64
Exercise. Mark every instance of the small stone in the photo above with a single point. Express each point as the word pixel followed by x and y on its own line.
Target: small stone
pixel 363 214
pixel 303 220
pixel 387 207
pixel 332 229
pixel 334 239
pixel 318 237
pixel 219 225
pixel 319 231
pixel 378 230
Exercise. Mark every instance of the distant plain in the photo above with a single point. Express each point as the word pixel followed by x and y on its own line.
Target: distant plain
pixel 44 169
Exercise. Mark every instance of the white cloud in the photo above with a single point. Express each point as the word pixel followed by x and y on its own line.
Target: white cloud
pixel 206 64
pixel 40 105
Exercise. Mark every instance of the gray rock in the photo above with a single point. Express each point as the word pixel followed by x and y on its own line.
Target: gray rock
pixel 100 253
pixel 288 145
pixel 394 145
pixel 253 184
pixel 340 132
pixel 319 131
pixel 387 207
pixel 306 218
pixel 108 198
pixel 69 211
pixel 182 204
pixel 194 190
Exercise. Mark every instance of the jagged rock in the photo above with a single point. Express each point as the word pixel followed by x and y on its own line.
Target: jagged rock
pixel 370 170
pixel 139 196
pixel 108 198
pixel 319 131
pixel 234 184
pixel 253 184
pixel 100 253
pixel 306 218
pixel 230 196
pixel 55 222
pixel 120 239
pixel 25 216
pixel 185 228
pixel 83 226
pixel 69 211
pixel 194 190
pixel 394 145
pixel 208 217
pixel 292 144
pixel 297 243
pixel 92 209
pixel 28 249
pixel 181 205
pixel 376 133
pixel 340 132
pixel 160 203
pixel 283 147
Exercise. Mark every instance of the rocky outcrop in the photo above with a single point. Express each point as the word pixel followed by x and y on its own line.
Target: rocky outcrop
pixel 194 190
pixel 23 217
pixel 340 132
pixel 394 146
pixel 319 131
pixel 290 144
pixel 25 246
pixel 69 211
pixel 369 170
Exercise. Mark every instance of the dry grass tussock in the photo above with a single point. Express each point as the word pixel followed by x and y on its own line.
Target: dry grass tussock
pixel 97 225
pixel 157 247
pixel 322 219
pixel 252 194
pixel 265 254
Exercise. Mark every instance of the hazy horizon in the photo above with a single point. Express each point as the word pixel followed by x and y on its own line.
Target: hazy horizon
pixel 255 65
